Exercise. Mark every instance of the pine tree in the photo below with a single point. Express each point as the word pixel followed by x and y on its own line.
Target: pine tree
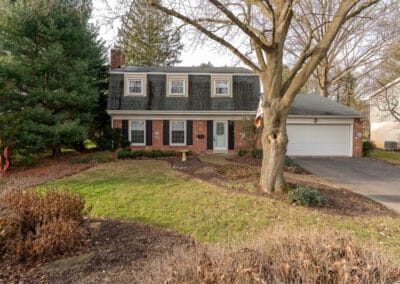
pixel 148 38
pixel 51 68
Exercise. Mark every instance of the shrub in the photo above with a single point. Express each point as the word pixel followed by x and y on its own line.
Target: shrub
pixel 111 139
pixel 367 147
pixel 293 166
pixel 257 154
pixel 278 257
pixel 127 153
pixel 304 195
pixel 241 153
pixel 101 157
pixel 238 171
pixel 39 225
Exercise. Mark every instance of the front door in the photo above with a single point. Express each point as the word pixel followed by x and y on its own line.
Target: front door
pixel 221 135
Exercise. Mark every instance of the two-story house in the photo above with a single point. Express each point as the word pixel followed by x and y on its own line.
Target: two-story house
pixel 202 109
pixel 384 108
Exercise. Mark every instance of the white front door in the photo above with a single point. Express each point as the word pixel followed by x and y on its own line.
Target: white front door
pixel 220 135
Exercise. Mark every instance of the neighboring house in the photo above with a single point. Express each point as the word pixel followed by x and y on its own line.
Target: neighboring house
pixel 202 109
pixel 384 106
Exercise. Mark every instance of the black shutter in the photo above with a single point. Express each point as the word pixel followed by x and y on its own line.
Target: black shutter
pixel 125 129
pixel 189 132
pixel 149 132
pixel 165 132
pixel 231 135
pixel 210 135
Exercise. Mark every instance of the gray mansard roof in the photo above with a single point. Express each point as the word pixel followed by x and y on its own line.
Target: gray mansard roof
pixel 245 90
pixel 185 69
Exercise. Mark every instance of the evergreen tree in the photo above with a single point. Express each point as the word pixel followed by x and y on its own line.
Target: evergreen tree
pixel 50 65
pixel 148 38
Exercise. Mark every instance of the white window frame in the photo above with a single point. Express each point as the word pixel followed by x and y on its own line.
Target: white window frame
pixel 135 77
pixel 177 77
pixel 214 79
pixel 184 131
pixel 144 132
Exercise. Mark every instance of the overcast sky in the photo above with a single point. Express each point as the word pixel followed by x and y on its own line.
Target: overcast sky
pixel 190 56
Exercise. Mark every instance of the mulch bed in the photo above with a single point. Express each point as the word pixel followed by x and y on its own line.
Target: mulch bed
pixel 49 169
pixel 116 252
pixel 343 202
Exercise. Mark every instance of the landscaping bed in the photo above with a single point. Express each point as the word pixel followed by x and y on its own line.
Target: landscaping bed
pixel 115 251
pixel 341 201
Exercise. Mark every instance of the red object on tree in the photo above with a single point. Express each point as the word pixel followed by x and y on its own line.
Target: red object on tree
pixel 7 162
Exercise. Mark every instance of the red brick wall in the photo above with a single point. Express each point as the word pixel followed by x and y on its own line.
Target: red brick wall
pixel 116 123
pixel 357 139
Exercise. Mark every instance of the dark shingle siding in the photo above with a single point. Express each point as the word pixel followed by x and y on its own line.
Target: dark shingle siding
pixel 245 95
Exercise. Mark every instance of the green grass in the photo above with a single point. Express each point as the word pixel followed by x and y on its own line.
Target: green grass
pixel 150 192
pixel 393 157
pixel 98 157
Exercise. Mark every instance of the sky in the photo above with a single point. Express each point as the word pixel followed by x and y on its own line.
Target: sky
pixel 191 55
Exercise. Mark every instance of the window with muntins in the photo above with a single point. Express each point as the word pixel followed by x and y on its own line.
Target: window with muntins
pixel 222 87
pixel 138 132
pixel 177 87
pixel 178 132
pixel 135 86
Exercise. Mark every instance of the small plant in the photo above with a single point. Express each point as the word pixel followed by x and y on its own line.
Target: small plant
pixel 258 154
pixel 307 196
pixel 292 166
pixel 242 152
pixel 367 147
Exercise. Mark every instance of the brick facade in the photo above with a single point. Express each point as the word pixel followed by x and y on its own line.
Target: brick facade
pixel 357 138
pixel 200 138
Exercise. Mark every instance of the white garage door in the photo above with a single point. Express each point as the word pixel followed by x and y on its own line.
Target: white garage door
pixel 319 140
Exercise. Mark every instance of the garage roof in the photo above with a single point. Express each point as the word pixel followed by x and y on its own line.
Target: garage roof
pixel 317 105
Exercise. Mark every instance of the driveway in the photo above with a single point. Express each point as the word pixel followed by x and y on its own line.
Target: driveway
pixel 375 179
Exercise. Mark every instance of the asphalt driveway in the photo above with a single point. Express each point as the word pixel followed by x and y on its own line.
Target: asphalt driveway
pixel 375 179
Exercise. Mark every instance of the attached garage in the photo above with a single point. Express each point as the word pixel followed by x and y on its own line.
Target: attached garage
pixel 320 139
pixel 318 126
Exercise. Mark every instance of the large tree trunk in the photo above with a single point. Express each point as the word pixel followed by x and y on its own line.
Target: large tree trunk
pixel 274 137
pixel 274 144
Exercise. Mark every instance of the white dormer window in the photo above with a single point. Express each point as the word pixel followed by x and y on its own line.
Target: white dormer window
pixel 135 84
pixel 177 85
pixel 221 86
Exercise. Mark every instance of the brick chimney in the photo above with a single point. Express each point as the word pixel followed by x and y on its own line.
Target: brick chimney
pixel 117 58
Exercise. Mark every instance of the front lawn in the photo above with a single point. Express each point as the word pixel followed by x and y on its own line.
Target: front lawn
pixel 388 156
pixel 151 192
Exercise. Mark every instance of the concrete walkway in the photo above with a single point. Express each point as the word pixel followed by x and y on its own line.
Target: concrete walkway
pixel 375 179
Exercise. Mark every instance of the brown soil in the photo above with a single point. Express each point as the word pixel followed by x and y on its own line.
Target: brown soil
pixel 116 252
pixel 49 169
pixel 342 201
